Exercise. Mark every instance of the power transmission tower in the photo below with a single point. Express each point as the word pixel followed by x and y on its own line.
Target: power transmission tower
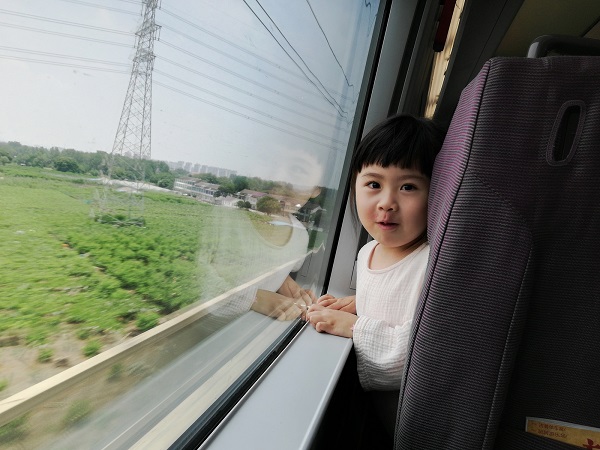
pixel 132 145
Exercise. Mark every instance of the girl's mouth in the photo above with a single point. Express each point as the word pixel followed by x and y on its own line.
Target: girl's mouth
pixel 387 225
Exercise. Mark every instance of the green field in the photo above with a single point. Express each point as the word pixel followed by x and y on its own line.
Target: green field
pixel 59 268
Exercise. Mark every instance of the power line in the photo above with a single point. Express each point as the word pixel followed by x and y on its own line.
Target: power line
pixel 237 113
pixel 251 94
pixel 56 63
pixel 105 62
pixel 254 110
pixel 328 44
pixel 56 33
pixel 61 64
pixel 78 66
pixel 58 55
pixel 222 39
pixel 242 62
pixel 64 22
pixel 238 47
pixel 247 79
pixel 326 95
pixel 108 8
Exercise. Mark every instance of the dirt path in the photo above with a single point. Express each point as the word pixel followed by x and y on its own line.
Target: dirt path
pixel 20 368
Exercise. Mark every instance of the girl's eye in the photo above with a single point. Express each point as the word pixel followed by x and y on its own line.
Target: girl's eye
pixel 373 185
pixel 408 187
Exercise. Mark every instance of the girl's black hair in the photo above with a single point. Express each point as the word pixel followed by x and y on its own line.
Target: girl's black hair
pixel 403 141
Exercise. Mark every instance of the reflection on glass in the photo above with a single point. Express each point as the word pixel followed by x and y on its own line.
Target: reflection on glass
pixel 242 127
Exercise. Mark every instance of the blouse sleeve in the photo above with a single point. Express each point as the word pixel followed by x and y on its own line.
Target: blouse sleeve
pixel 380 352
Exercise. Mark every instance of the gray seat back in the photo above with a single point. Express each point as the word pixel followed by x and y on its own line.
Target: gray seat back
pixel 508 323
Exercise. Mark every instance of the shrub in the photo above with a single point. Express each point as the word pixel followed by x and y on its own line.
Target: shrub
pixel 13 430
pixel 92 348
pixel 115 373
pixel 84 333
pixel 146 321
pixel 78 411
pixel 36 337
pixel 45 355
pixel 75 319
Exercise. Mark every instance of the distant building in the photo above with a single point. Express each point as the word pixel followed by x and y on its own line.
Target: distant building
pixel 195 168
pixel 196 188
pixel 216 171
pixel 229 201
pixel 307 212
pixel 251 196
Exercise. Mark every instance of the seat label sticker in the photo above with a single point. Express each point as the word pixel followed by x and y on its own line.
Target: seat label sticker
pixel 578 435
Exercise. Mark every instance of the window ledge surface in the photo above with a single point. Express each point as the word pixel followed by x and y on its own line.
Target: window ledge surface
pixel 284 409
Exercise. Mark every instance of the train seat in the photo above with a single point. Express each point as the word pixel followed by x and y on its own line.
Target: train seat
pixel 507 331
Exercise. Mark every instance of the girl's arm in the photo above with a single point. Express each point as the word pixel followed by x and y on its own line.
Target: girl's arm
pixel 381 352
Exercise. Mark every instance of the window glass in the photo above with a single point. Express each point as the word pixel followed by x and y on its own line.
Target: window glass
pixel 168 172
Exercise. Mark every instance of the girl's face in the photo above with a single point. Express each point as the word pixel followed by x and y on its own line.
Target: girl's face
pixel 392 205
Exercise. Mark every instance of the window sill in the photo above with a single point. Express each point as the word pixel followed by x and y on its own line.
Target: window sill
pixel 284 409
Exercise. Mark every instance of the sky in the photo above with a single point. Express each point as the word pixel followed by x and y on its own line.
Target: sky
pixel 267 88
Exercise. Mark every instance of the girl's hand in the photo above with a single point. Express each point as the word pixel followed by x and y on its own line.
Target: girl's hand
pixel 326 300
pixel 339 323
pixel 347 304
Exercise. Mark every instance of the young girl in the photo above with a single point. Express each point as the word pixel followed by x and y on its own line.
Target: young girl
pixel 391 171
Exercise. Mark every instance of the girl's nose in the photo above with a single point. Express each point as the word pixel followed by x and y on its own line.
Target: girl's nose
pixel 388 202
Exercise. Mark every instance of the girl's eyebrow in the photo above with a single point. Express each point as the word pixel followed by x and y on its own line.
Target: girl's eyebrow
pixel 414 176
pixel 410 176
pixel 370 175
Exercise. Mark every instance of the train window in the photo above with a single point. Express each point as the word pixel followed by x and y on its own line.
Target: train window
pixel 169 175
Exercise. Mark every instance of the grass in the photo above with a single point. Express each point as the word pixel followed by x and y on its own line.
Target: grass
pixel 45 355
pixel 92 348
pixel 14 430
pixel 61 269
pixel 76 412
pixel 147 321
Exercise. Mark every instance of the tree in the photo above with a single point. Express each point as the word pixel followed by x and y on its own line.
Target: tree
pixel 5 157
pixel 162 166
pixel 227 188
pixel 66 164
pixel 240 183
pixel 208 177
pixel 163 179
pixel 243 205
pixel 181 172
pixel 96 162
pixel 268 205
